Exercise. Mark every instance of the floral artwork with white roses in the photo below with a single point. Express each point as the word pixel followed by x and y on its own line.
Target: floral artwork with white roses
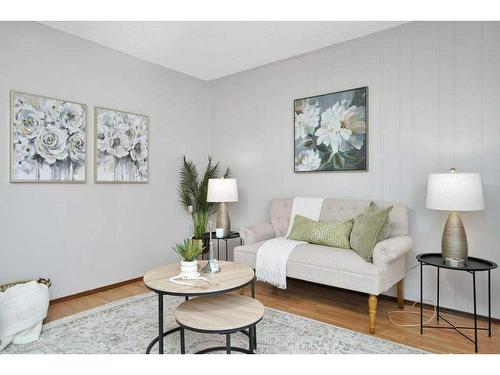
pixel 331 132
pixel 48 139
pixel 121 146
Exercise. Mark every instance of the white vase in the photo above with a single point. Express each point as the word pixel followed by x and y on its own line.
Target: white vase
pixel 189 269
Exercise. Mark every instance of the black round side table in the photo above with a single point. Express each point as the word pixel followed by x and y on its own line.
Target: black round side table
pixel 472 265
pixel 232 235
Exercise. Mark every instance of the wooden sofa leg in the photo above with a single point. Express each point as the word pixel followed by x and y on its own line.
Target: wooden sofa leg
pixel 400 286
pixel 242 291
pixel 372 311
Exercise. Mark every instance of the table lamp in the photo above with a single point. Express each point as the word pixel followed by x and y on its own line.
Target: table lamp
pixel 454 192
pixel 222 190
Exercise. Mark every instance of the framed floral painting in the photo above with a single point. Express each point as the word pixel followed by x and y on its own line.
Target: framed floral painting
pixel 330 132
pixel 121 146
pixel 48 139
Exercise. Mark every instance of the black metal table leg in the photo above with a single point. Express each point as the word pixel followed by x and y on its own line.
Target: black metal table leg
pixel 489 303
pixel 437 302
pixel 160 323
pixel 472 266
pixel 250 338
pixel 155 340
pixel 228 343
pixel 255 336
pixel 226 249
pixel 421 303
pixel 183 341
pixel 218 248
pixel 475 313
pixel 252 285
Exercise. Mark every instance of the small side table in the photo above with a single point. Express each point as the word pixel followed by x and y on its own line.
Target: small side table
pixel 232 235
pixel 223 314
pixel 472 266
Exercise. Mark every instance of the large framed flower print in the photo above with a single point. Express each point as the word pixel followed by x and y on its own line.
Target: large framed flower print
pixel 48 139
pixel 121 146
pixel 330 132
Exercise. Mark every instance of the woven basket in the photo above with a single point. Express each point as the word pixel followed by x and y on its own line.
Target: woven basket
pixel 4 287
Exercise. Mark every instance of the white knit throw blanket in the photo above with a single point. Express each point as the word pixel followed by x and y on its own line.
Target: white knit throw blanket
pixel 272 256
pixel 22 310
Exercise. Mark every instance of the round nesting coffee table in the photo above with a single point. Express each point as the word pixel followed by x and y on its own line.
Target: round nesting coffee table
pixel 222 314
pixel 233 276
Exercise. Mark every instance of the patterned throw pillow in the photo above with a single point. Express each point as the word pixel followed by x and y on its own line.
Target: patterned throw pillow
pixel 365 231
pixel 324 233
pixel 385 231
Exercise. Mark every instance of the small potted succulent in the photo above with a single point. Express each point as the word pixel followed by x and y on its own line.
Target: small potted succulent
pixel 189 251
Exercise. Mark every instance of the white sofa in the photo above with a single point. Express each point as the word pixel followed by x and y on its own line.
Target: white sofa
pixel 333 266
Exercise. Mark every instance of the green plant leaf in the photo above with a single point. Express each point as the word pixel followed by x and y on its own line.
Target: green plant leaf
pixel 324 148
pixel 192 191
pixel 338 161
pixel 325 158
pixel 359 98
pixel 188 249
pixel 306 143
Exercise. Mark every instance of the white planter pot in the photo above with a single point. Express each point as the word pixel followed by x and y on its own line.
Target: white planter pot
pixel 189 269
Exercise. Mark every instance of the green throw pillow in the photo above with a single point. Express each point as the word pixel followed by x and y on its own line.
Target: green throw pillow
pixel 365 231
pixel 324 233
pixel 385 231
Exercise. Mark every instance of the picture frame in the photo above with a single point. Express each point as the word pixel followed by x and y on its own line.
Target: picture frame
pixel 104 153
pixel 331 132
pixel 47 140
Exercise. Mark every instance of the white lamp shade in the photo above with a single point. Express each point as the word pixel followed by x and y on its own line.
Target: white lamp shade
pixel 455 192
pixel 222 190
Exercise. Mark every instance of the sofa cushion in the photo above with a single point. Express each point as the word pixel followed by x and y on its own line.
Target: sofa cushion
pixel 279 215
pixel 327 233
pixel 338 210
pixel 331 266
pixel 314 255
pixel 332 258
pixel 366 230
pixel 385 231
pixel 247 254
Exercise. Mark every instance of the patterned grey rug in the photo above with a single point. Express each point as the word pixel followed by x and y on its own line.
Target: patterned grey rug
pixel 128 325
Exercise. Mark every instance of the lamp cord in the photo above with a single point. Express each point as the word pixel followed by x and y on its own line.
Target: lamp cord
pixel 411 311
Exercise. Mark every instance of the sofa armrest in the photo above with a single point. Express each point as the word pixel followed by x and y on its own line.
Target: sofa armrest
pixel 255 233
pixel 391 249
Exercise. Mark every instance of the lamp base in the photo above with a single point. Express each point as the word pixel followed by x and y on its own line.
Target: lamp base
pixel 454 242
pixel 223 220
pixel 454 262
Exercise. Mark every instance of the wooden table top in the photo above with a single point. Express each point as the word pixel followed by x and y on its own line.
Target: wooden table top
pixel 221 313
pixel 231 277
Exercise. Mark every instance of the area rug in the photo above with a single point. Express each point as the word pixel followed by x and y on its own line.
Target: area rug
pixel 128 325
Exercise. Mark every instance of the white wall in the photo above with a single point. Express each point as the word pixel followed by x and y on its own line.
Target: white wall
pixel 433 104
pixel 433 98
pixel 84 236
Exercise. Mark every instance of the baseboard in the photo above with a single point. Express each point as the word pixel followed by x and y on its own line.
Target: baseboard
pixel 93 291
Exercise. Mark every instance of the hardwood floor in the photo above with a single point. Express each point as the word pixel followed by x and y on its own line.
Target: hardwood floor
pixel 334 306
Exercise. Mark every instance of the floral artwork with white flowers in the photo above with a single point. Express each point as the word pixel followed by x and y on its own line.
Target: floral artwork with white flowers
pixel 121 146
pixel 330 132
pixel 49 140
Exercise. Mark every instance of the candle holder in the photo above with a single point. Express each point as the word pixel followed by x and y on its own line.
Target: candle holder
pixel 212 265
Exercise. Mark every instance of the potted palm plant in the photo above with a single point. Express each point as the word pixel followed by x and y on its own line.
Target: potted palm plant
pixel 189 251
pixel 192 192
